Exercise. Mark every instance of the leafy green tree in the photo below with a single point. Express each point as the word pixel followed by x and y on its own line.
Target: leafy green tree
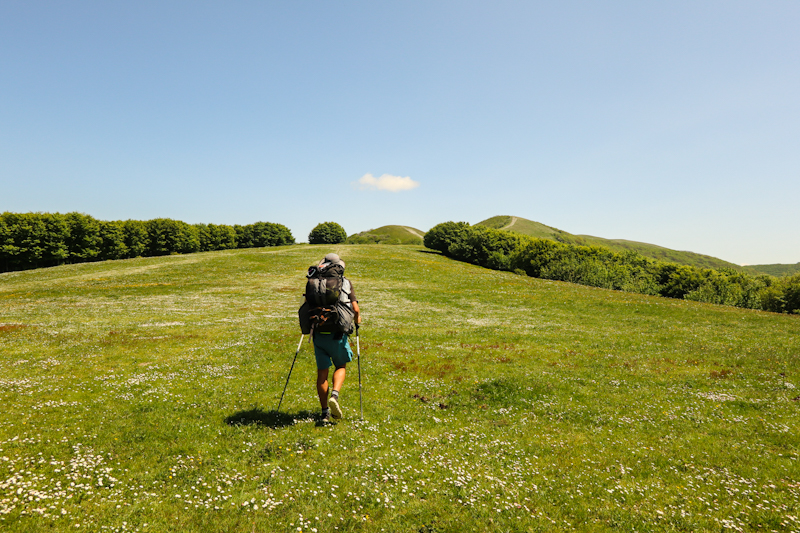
pixel 261 234
pixel 223 237
pixel 18 235
pixel 327 233
pixel 8 249
pixel 32 232
pixel 243 237
pixel 782 295
pixel 534 255
pixel 32 240
pixel 112 235
pixel 54 239
pixel 136 237
pixel 203 237
pixel 441 236
pixel 167 236
pixel 791 293
pixel 487 247
pixel 84 239
pixel 28 231
pixel 676 280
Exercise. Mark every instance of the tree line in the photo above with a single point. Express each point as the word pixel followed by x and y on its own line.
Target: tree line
pixel 34 240
pixel 598 266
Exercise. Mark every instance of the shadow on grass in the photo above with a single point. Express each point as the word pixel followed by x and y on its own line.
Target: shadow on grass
pixel 273 419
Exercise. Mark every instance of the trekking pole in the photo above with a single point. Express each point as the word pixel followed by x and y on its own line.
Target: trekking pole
pixel 358 351
pixel 290 371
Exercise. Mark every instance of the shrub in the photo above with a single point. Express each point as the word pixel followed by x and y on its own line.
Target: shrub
pixel 368 239
pixel 442 235
pixel 598 266
pixel 782 295
pixel 327 233
pixel 268 234
pixel 791 291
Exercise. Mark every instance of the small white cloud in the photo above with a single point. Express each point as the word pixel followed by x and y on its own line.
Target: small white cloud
pixel 387 182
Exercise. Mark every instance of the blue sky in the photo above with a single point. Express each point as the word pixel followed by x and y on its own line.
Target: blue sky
pixel 673 123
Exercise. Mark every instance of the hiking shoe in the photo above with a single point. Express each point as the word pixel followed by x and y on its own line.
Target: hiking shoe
pixel 336 410
pixel 325 418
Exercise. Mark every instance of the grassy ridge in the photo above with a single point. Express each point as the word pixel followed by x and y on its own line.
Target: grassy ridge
pixel 138 394
pixel 529 227
pixel 776 270
pixel 535 229
pixel 388 235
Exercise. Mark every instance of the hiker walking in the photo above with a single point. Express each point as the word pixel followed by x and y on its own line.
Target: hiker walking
pixel 329 314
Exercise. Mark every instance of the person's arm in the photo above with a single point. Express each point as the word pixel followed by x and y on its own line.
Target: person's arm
pixel 354 303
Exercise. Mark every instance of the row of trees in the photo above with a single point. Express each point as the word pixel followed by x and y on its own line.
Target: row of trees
pixel 33 240
pixel 601 267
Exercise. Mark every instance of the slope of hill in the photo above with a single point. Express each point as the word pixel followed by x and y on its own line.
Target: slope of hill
pixel 535 229
pixel 388 235
pixel 139 395
pixel 777 270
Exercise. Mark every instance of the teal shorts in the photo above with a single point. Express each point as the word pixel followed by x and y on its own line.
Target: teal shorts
pixel 327 350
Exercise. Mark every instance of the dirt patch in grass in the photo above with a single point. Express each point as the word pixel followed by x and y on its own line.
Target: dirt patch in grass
pixel 443 370
pixel 404 366
pixel 5 328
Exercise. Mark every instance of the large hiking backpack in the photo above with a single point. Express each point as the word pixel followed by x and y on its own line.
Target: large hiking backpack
pixel 324 285
pixel 327 307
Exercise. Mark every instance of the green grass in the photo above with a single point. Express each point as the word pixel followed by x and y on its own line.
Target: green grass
pixel 776 270
pixel 535 229
pixel 529 227
pixel 138 395
pixel 389 235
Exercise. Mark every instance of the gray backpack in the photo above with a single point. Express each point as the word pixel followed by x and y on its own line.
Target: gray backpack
pixel 327 307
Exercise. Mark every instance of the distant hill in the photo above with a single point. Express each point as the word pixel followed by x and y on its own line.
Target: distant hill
pixel 388 235
pixel 776 270
pixel 536 229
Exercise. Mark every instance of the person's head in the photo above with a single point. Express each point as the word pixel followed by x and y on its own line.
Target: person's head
pixel 331 259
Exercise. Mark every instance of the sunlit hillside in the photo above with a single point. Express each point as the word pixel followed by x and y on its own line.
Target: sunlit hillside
pixel 140 395
pixel 535 229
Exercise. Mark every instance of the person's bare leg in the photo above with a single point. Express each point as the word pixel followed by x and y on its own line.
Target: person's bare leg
pixel 322 387
pixel 338 378
pixel 338 381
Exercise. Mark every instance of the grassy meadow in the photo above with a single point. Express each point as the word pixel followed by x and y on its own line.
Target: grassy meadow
pixel 139 395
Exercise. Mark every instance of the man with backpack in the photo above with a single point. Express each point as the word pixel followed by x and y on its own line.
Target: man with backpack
pixel 330 313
